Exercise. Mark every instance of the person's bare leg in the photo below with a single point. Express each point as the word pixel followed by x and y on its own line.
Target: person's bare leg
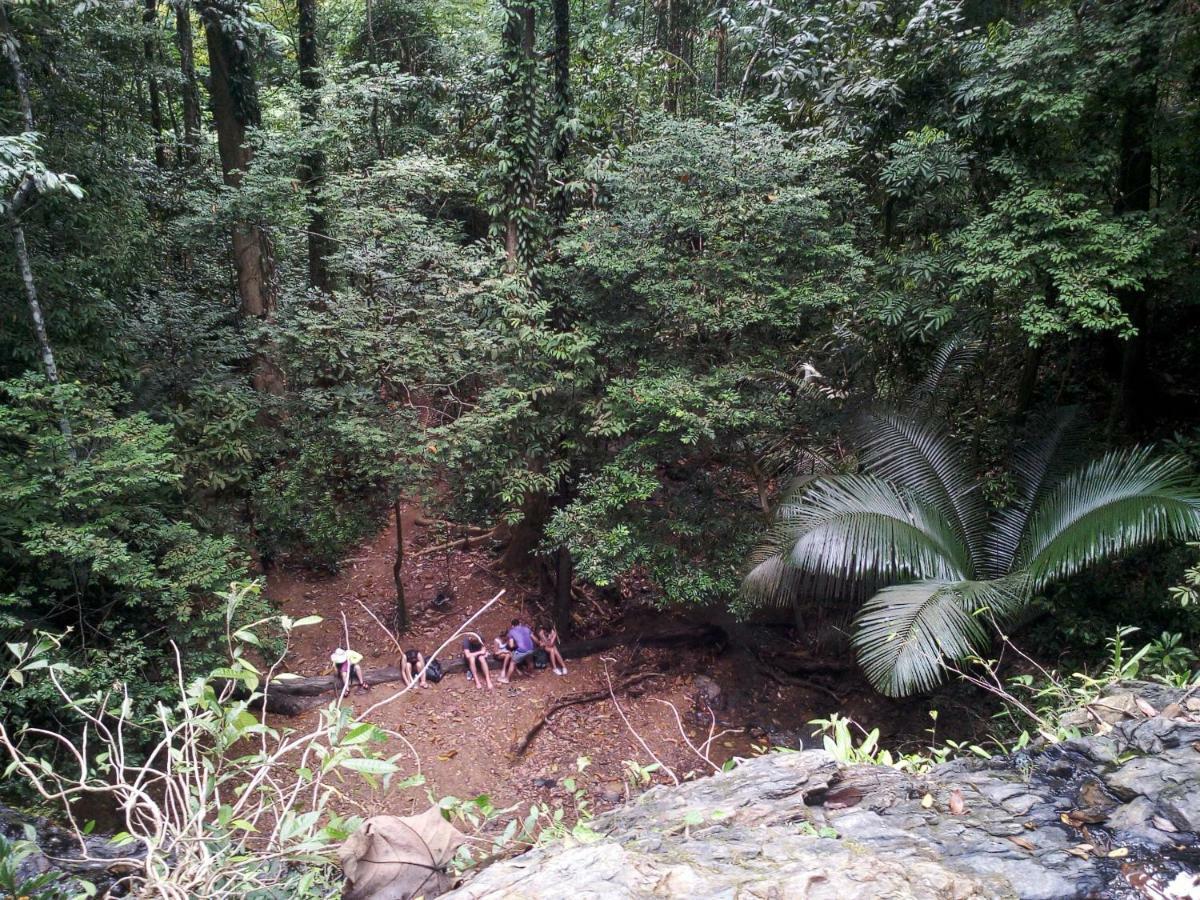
pixel 487 671
pixel 421 669
pixel 480 673
pixel 508 667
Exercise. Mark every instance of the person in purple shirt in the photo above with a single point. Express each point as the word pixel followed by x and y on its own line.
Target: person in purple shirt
pixel 523 646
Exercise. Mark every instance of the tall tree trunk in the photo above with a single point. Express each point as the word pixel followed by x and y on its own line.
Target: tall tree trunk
pixel 372 57
pixel 150 47
pixel 312 161
pixel 674 47
pixel 518 42
pixel 26 191
pixel 233 94
pixel 721 56
pixel 400 616
pixel 1135 176
pixel 562 592
pixel 562 103
pixel 189 91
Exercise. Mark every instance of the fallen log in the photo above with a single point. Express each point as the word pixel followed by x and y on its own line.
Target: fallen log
pixel 293 696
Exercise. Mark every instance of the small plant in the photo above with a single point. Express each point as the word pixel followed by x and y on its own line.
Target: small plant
pixel 1170 661
pixel 43 886
pixel 223 804
pixel 1188 593
pixel 637 775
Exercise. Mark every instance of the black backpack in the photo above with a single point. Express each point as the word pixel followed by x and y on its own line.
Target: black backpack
pixel 541 659
pixel 433 672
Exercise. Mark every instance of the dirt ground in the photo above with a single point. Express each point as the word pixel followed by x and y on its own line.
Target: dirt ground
pixel 463 737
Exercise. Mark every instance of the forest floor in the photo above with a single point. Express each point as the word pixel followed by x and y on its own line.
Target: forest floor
pixel 463 737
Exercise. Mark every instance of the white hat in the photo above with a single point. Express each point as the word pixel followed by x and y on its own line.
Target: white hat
pixel 338 656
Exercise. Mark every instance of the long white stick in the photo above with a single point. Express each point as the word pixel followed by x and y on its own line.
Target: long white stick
pixel 446 643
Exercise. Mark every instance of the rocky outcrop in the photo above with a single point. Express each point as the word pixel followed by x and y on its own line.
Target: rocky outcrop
pixel 99 861
pixel 1114 814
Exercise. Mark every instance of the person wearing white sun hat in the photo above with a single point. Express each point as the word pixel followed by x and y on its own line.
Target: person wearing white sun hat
pixel 347 665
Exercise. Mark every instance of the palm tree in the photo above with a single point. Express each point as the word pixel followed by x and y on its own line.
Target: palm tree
pixel 915 521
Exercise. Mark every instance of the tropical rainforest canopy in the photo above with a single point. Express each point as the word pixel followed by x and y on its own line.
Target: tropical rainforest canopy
pixel 873 301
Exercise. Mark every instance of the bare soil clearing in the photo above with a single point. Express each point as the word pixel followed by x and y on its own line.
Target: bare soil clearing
pixel 464 737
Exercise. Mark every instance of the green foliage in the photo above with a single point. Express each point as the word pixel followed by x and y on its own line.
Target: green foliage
pixel 250 808
pixel 101 545
pixel 42 886
pixel 916 518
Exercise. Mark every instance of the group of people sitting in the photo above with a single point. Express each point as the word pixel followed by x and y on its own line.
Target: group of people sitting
pixel 514 649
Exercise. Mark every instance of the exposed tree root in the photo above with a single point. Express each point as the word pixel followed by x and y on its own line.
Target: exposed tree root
pixel 464 542
pixel 575 700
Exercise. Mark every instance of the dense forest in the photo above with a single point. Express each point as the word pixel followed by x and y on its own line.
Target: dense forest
pixel 872 319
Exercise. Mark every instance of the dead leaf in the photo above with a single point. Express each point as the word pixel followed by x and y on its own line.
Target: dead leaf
pixel 448 755
pixel 1087 816
pixel 1163 824
pixel 927 801
pixel 1030 825
pixel 1145 707
pixel 957 806
pixel 843 798
pixel 1118 853
pixel 1172 711
pixel 1083 851
pixel 1024 843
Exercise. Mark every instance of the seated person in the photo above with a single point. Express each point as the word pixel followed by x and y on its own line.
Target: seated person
pixel 523 647
pixel 347 665
pixel 475 653
pixel 502 649
pixel 547 639
pixel 412 667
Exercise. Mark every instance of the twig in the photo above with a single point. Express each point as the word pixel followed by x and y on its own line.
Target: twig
pixel 464 542
pixel 446 643
pixel 662 765
pixel 575 700
pixel 386 630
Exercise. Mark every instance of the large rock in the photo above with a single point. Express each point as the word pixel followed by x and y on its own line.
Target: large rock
pixel 1112 814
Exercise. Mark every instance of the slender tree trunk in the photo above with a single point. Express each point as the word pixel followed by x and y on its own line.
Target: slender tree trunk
pixel 400 619
pixel 150 47
pixel 26 191
pixel 721 55
pixel 1027 385
pixel 1135 175
pixel 674 47
pixel 372 55
pixel 562 592
pixel 234 97
pixel 312 161
pixel 562 102
pixel 518 40
pixel 189 91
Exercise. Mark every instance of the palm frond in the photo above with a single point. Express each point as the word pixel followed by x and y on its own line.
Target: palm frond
pixel 906 633
pixel 1038 463
pixel 856 526
pixel 1122 501
pixel 950 360
pixel 922 459
pixel 771 581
